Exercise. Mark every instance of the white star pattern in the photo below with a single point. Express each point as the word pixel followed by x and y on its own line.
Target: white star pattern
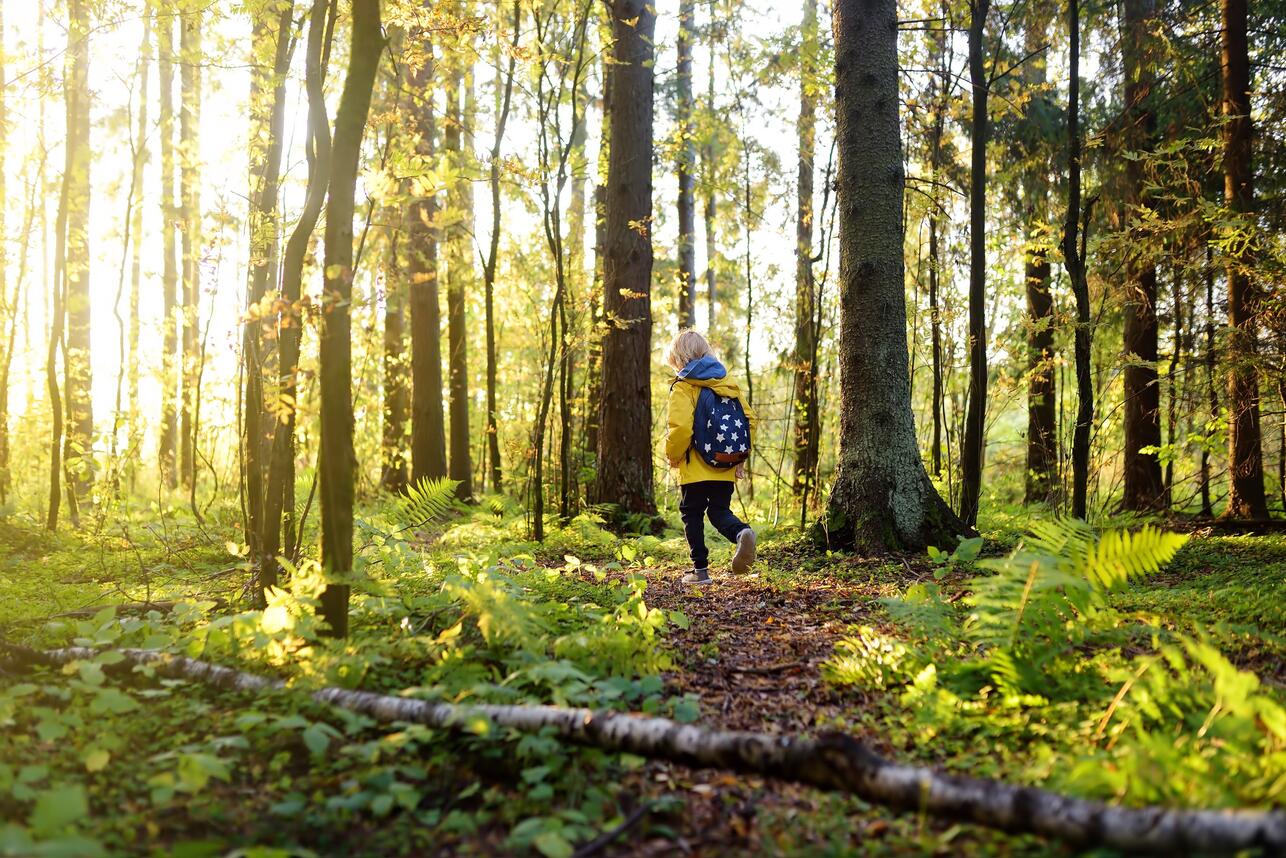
pixel 723 399
pixel 708 448
pixel 743 447
pixel 738 422
pixel 728 450
pixel 707 424
pixel 719 437
pixel 734 436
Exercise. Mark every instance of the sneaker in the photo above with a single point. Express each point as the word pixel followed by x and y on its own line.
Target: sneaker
pixel 696 576
pixel 744 555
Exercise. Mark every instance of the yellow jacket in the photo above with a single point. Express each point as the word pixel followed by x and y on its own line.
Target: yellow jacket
pixel 678 434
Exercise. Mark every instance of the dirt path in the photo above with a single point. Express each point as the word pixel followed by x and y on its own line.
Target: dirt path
pixel 752 655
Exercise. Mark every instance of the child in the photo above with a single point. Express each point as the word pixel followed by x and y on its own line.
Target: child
pixel 707 478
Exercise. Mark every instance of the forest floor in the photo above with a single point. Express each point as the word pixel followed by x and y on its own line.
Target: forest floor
pixel 92 762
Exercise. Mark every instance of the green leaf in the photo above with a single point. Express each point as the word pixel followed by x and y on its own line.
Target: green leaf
pixel 57 808
pixel 96 760
pixel 680 619
pixel 316 738
pixel 552 844
pixel 686 710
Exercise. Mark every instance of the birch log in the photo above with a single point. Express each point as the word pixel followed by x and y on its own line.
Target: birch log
pixel 833 761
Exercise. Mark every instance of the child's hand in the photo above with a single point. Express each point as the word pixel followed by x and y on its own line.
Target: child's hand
pixel 741 471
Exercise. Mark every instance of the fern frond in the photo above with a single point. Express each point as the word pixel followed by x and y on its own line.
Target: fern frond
pixel 424 501
pixel 1121 556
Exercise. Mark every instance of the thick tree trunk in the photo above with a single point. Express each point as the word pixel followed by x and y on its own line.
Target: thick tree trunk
pixel 168 457
pixel 687 152
pixel 805 385
pixel 625 403
pixel 832 761
pixel 272 41
pixel 1144 488
pixel 77 445
pixel 974 445
pixel 1246 498
pixel 190 216
pixel 882 497
pixel 1074 260
pixel 709 170
pixel 336 463
pixel 428 425
pixel 459 273
pixel 594 358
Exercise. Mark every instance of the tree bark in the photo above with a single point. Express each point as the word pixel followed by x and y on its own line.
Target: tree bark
pixel 281 472
pixel 397 388
pixel 190 217
pixel 135 423
pixel 1144 487
pixel 625 403
pixel 832 761
pixel 336 463
pixel 1042 395
pixel 170 274
pixel 1246 498
pixel 882 497
pixel 78 386
pixel 687 151
pixel 805 384
pixel 1074 260
pixel 459 272
pixel 1212 388
pixel 710 171
pixel 493 257
pixel 973 447
pixel 941 105
pixel 428 425
pixel 261 422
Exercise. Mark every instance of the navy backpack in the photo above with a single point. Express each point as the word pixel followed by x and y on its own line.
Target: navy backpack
pixel 720 430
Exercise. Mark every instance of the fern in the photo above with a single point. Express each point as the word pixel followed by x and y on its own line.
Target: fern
pixel 423 502
pixel 1040 601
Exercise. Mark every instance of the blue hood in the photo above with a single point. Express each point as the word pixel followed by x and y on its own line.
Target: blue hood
pixel 703 369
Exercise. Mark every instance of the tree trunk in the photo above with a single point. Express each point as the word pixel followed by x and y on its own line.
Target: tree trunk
pixel 1212 389
pixel 973 448
pixel 1073 257
pixel 459 272
pixel 190 216
pixel 1042 395
pixel 77 445
pixel 710 169
pixel 135 431
pixel 336 463
pixel 594 358
pixel 1144 488
pixel 397 390
pixel 687 152
pixel 805 384
pixel 1176 356
pixel 281 473
pixel 1246 498
pixel 832 761
pixel 493 257
pixel 882 497
pixel 170 275
pixel 267 117
pixel 625 404
pixel 941 104
pixel 428 426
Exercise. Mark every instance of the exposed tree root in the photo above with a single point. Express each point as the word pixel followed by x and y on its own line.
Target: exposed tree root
pixel 832 761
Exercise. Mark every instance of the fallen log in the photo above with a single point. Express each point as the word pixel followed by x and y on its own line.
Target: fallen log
pixel 833 761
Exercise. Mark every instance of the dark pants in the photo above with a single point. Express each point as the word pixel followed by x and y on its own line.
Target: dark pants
pixel 698 499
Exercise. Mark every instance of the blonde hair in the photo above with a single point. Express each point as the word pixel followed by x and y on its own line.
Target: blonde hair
pixel 687 347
